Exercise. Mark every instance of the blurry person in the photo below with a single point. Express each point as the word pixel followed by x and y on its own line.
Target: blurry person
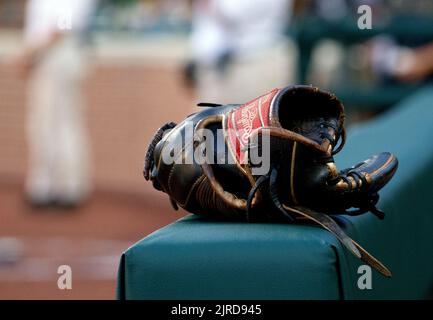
pixel 239 48
pixel 53 62
pixel 416 64
pixel 399 62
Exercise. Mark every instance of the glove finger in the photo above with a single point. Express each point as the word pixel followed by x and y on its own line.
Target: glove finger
pixel 148 160
pixel 370 176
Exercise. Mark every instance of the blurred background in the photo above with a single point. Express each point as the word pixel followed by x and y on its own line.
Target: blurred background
pixel 85 84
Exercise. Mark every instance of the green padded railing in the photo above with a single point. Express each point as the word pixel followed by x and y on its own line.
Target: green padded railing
pixel 195 258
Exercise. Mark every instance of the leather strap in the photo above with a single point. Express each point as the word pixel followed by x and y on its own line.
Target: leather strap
pixel 329 224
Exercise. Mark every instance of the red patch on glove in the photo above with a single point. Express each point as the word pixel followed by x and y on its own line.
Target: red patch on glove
pixel 241 122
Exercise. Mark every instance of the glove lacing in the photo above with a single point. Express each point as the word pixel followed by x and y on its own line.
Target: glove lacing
pixel 340 134
pixel 369 201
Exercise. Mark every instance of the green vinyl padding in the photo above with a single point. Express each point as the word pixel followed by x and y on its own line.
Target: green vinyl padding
pixel 197 258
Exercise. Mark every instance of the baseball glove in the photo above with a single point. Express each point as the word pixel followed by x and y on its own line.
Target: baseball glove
pixel 271 158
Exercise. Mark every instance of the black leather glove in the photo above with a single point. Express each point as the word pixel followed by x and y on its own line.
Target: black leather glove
pixel 271 158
